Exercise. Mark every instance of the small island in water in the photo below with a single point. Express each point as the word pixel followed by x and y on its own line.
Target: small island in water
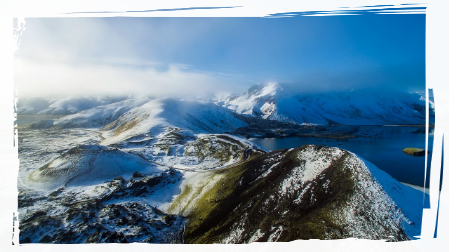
pixel 417 152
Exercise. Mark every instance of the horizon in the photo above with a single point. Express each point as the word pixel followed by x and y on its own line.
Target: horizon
pixel 187 56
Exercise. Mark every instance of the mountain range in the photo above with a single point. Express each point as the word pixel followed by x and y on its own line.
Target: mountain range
pixel 271 101
pixel 166 170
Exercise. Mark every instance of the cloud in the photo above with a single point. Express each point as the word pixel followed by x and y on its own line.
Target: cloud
pixel 194 56
pixel 76 47
pixel 395 78
pixel 41 79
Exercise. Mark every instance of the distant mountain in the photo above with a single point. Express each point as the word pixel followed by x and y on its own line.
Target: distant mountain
pixel 311 192
pixel 270 101
pixel 277 102
pixel 61 106
pixel 99 116
pixel 153 116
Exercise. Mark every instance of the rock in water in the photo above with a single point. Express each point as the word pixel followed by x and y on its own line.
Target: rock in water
pixel 417 152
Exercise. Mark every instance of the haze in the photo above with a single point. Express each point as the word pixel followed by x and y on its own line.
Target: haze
pixel 197 56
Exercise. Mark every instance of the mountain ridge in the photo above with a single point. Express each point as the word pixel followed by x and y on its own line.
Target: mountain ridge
pixel 308 192
pixel 275 101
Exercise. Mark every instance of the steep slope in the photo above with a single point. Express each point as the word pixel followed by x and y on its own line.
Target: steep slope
pixel 304 193
pixel 152 117
pixel 259 100
pixel 278 102
pixel 89 165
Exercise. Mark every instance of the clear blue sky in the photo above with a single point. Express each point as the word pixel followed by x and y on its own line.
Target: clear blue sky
pixel 326 53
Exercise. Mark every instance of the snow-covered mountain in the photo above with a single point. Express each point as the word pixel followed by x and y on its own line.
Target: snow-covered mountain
pixel 170 171
pixel 61 106
pixel 278 102
pixel 271 101
pixel 222 187
pixel 152 117
pixel 98 116
pixel 311 192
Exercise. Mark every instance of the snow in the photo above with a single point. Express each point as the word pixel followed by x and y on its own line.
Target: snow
pixel 153 116
pixel 313 165
pixel 275 102
pixel 235 235
pixel 143 126
pixel 276 234
pixel 439 195
pixel 408 199
pixel 199 183
pixel 98 116
pixel 258 234
pixel 89 165
pixel 61 106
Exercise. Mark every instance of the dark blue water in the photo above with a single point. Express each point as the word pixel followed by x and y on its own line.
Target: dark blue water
pixel 383 147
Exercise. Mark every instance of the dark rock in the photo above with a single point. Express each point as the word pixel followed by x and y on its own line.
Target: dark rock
pixel 36 215
pixel 138 175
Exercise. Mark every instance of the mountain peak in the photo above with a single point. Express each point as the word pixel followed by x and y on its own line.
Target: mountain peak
pixel 269 88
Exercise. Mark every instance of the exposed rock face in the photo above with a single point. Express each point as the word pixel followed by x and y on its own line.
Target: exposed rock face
pixel 417 152
pixel 304 193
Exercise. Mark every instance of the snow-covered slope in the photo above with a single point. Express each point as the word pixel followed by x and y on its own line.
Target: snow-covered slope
pixel 277 102
pixel 152 117
pixel 439 101
pixel 98 116
pixel 61 106
pixel 32 105
pixel 311 192
pixel 89 165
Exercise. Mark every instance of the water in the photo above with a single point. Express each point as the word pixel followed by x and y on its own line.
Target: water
pixel 24 120
pixel 383 147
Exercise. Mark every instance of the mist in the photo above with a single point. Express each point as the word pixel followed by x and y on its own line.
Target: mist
pixel 83 56
pixel 202 56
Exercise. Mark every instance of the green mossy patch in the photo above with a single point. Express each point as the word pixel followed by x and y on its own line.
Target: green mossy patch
pixel 416 152
pixel 241 192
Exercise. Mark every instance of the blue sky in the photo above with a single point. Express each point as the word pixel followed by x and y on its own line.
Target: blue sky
pixel 164 55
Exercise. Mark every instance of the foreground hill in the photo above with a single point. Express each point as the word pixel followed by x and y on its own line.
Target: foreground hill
pixel 304 193
pixel 93 193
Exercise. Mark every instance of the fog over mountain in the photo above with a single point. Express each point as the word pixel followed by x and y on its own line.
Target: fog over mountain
pixel 144 129
pixel 188 56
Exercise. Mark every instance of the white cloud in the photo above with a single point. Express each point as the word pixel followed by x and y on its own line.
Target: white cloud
pixel 37 79
pixel 64 47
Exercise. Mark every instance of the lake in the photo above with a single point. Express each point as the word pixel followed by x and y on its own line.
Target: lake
pixel 380 145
